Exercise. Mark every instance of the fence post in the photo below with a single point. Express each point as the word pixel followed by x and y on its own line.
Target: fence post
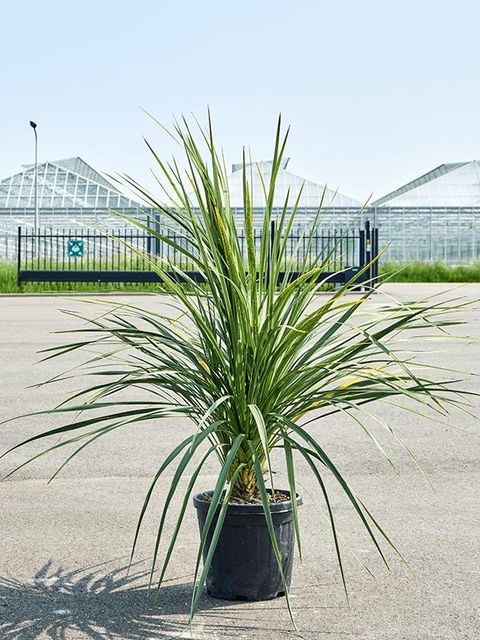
pixel 361 252
pixel 157 230
pixel 375 254
pixel 368 251
pixel 149 244
pixel 19 259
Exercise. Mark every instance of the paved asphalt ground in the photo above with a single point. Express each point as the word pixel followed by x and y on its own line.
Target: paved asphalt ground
pixel 64 547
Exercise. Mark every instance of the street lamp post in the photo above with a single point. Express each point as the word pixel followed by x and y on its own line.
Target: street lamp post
pixel 36 223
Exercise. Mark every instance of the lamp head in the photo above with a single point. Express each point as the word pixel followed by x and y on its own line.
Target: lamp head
pixel 33 124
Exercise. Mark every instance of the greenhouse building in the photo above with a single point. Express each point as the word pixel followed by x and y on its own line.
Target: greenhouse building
pixel 434 217
pixel 70 194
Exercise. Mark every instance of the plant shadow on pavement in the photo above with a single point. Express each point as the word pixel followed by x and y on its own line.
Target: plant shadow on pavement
pixel 93 603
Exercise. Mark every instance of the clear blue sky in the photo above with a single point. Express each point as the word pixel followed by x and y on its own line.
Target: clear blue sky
pixel 377 92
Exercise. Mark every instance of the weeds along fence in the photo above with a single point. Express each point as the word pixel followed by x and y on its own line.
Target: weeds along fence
pixel 130 255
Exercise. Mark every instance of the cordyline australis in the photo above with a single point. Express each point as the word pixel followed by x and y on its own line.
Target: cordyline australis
pixel 250 355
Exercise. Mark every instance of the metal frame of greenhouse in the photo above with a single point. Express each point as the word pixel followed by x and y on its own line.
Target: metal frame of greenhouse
pixel 425 234
pixel 74 195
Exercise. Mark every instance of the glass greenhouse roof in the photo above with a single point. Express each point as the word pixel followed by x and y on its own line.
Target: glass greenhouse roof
pixel 69 183
pixel 449 185
pixel 286 182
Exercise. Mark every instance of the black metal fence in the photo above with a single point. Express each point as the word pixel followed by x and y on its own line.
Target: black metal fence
pixel 129 255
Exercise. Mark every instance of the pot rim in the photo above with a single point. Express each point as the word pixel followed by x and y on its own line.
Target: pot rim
pixel 240 509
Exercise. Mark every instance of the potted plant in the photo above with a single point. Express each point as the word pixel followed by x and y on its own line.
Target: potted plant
pixel 253 359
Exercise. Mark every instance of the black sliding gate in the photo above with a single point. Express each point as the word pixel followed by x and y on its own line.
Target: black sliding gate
pixel 128 255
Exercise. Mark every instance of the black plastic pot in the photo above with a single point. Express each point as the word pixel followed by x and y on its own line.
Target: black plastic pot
pixel 244 566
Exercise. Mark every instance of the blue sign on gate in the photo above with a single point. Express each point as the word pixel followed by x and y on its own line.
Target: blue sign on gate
pixel 75 248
